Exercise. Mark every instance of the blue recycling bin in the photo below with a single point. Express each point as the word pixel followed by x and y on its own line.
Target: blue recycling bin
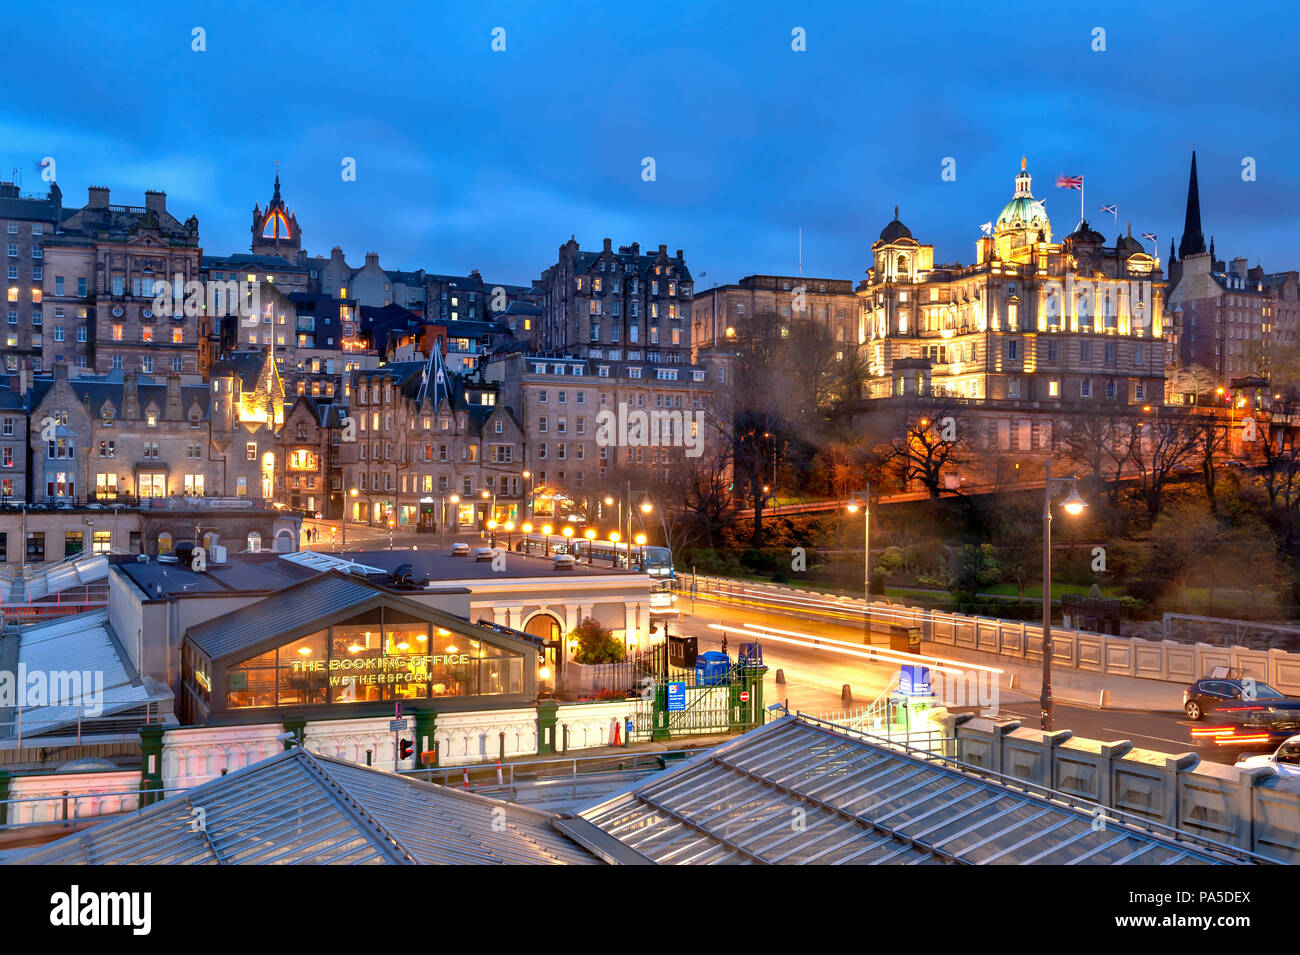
pixel 711 668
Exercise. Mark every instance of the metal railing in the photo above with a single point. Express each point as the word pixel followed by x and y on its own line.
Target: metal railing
pixel 1039 791
pixel 67 801
pixel 550 776
pixel 84 724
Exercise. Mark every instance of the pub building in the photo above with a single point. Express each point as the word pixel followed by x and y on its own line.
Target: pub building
pixel 339 646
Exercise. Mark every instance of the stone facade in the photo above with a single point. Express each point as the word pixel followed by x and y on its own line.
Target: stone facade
pixel 1032 320
pixel 831 303
pixel 616 305
pixel 27 222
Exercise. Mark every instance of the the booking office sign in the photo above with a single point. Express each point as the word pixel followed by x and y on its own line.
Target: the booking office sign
pixel 385 670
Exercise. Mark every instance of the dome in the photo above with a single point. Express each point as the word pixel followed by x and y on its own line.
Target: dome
pixel 895 230
pixel 1127 244
pixel 1085 233
pixel 1022 212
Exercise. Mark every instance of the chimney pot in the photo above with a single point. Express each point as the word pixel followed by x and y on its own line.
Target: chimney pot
pixel 97 197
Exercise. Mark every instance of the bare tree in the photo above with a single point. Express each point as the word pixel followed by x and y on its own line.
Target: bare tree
pixel 1157 450
pixel 1211 438
pixel 928 441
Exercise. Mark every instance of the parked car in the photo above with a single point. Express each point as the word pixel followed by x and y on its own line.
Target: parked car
pixel 1219 695
pixel 1285 761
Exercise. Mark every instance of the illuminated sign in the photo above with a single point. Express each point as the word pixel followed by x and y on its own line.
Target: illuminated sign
pixel 373 671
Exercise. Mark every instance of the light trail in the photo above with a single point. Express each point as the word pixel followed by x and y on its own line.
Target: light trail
pixel 899 655
pixel 846 649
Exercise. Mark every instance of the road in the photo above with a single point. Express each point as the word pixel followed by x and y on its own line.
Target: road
pixel 815 675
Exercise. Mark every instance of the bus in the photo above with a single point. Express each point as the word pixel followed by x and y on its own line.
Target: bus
pixel 655 561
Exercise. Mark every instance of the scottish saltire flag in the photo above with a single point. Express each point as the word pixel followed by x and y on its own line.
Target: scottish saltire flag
pixel 987 228
pixel 1149 236
pixel 1069 182
pixel 1111 208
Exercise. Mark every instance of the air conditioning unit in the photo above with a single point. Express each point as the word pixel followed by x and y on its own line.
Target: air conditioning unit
pixel 218 555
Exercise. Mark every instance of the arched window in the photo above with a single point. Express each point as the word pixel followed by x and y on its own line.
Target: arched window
pixel 902 265
pixel 283 541
pixel 254 541
pixel 165 542
pixel 209 539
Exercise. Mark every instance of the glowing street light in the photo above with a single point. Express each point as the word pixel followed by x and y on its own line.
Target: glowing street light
pixel 1072 505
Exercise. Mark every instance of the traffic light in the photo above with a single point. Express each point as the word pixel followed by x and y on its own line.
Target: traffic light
pixel 405 748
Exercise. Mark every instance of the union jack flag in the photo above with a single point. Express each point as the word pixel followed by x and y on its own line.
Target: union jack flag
pixel 1069 182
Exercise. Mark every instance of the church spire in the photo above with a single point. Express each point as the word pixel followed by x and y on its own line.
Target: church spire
pixel 1193 242
pixel 1172 258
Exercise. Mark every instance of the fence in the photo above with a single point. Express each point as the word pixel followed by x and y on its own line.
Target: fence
pixel 1164 660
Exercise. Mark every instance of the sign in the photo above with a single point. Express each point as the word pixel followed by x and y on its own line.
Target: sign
pixel 682 652
pixel 914 680
pixel 744 696
pixel 398 726
pixel 676 697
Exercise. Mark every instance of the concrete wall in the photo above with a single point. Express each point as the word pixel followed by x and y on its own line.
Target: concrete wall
pixel 1251 809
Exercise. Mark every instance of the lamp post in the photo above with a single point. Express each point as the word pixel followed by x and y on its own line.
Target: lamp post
pixel 528 505
pixel 343 519
pixel 546 548
pixel 640 543
pixel 590 534
pixel 1073 505
pixel 567 531
pixel 863 499
pixel 442 507
pixel 510 529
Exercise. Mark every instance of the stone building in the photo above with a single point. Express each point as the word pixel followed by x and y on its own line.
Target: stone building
pixel 308 459
pixel 123 252
pixel 1230 318
pixel 616 306
pixel 1037 321
pixel 27 222
pixel 830 303
pixel 420 441
pixel 560 402
pixel 13 436
pixel 118 438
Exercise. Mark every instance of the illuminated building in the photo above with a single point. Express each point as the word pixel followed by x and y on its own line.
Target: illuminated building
pixel 276 232
pixel 1034 322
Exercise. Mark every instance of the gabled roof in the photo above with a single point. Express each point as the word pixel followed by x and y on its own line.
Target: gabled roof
pixel 862 803
pixel 299 808
pixel 309 605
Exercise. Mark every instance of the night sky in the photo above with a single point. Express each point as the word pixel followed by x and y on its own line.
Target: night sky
pixel 469 158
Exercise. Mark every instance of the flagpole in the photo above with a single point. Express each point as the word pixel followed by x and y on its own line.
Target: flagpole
pixel 1081 215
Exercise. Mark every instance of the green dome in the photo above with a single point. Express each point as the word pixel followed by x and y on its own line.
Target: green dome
pixel 1025 210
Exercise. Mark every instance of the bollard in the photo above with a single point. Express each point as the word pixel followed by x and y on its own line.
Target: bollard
pixel 1103 700
pixel 780 676
pixel 846 695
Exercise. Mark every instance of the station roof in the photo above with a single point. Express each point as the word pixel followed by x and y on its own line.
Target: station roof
pixel 311 604
pixel 300 808
pixel 858 803
pixel 82 644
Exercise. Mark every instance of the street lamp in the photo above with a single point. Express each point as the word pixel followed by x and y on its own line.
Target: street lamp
pixel 567 531
pixel 1072 505
pixel 640 542
pixel 862 499
pixel 590 534
pixel 546 548
pixel 491 529
pixel 343 521
pixel 509 529
pixel 528 507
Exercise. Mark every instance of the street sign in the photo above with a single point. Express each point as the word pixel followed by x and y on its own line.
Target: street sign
pixel 676 697
pixel 744 696
pixel 398 726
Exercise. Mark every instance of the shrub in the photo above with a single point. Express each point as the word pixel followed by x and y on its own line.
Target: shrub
pixel 595 643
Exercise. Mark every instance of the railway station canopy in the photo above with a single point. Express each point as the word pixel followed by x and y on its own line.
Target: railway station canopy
pixel 794 792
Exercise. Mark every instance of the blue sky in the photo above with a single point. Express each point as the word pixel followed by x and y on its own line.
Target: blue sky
pixel 469 158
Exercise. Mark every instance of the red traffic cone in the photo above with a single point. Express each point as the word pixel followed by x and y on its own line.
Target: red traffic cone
pixel 617 741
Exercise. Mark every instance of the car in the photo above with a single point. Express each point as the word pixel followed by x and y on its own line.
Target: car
pixel 1229 692
pixel 1285 761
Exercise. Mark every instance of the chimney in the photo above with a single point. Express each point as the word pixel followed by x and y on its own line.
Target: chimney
pixel 173 410
pixel 60 372
pixel 680 256
pixel 636 248
pixel 98 197
pixel 663 249
pixel 372 258
pixel 130 397
pixel 1239 265
pixel 608 245
pixel 155 201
